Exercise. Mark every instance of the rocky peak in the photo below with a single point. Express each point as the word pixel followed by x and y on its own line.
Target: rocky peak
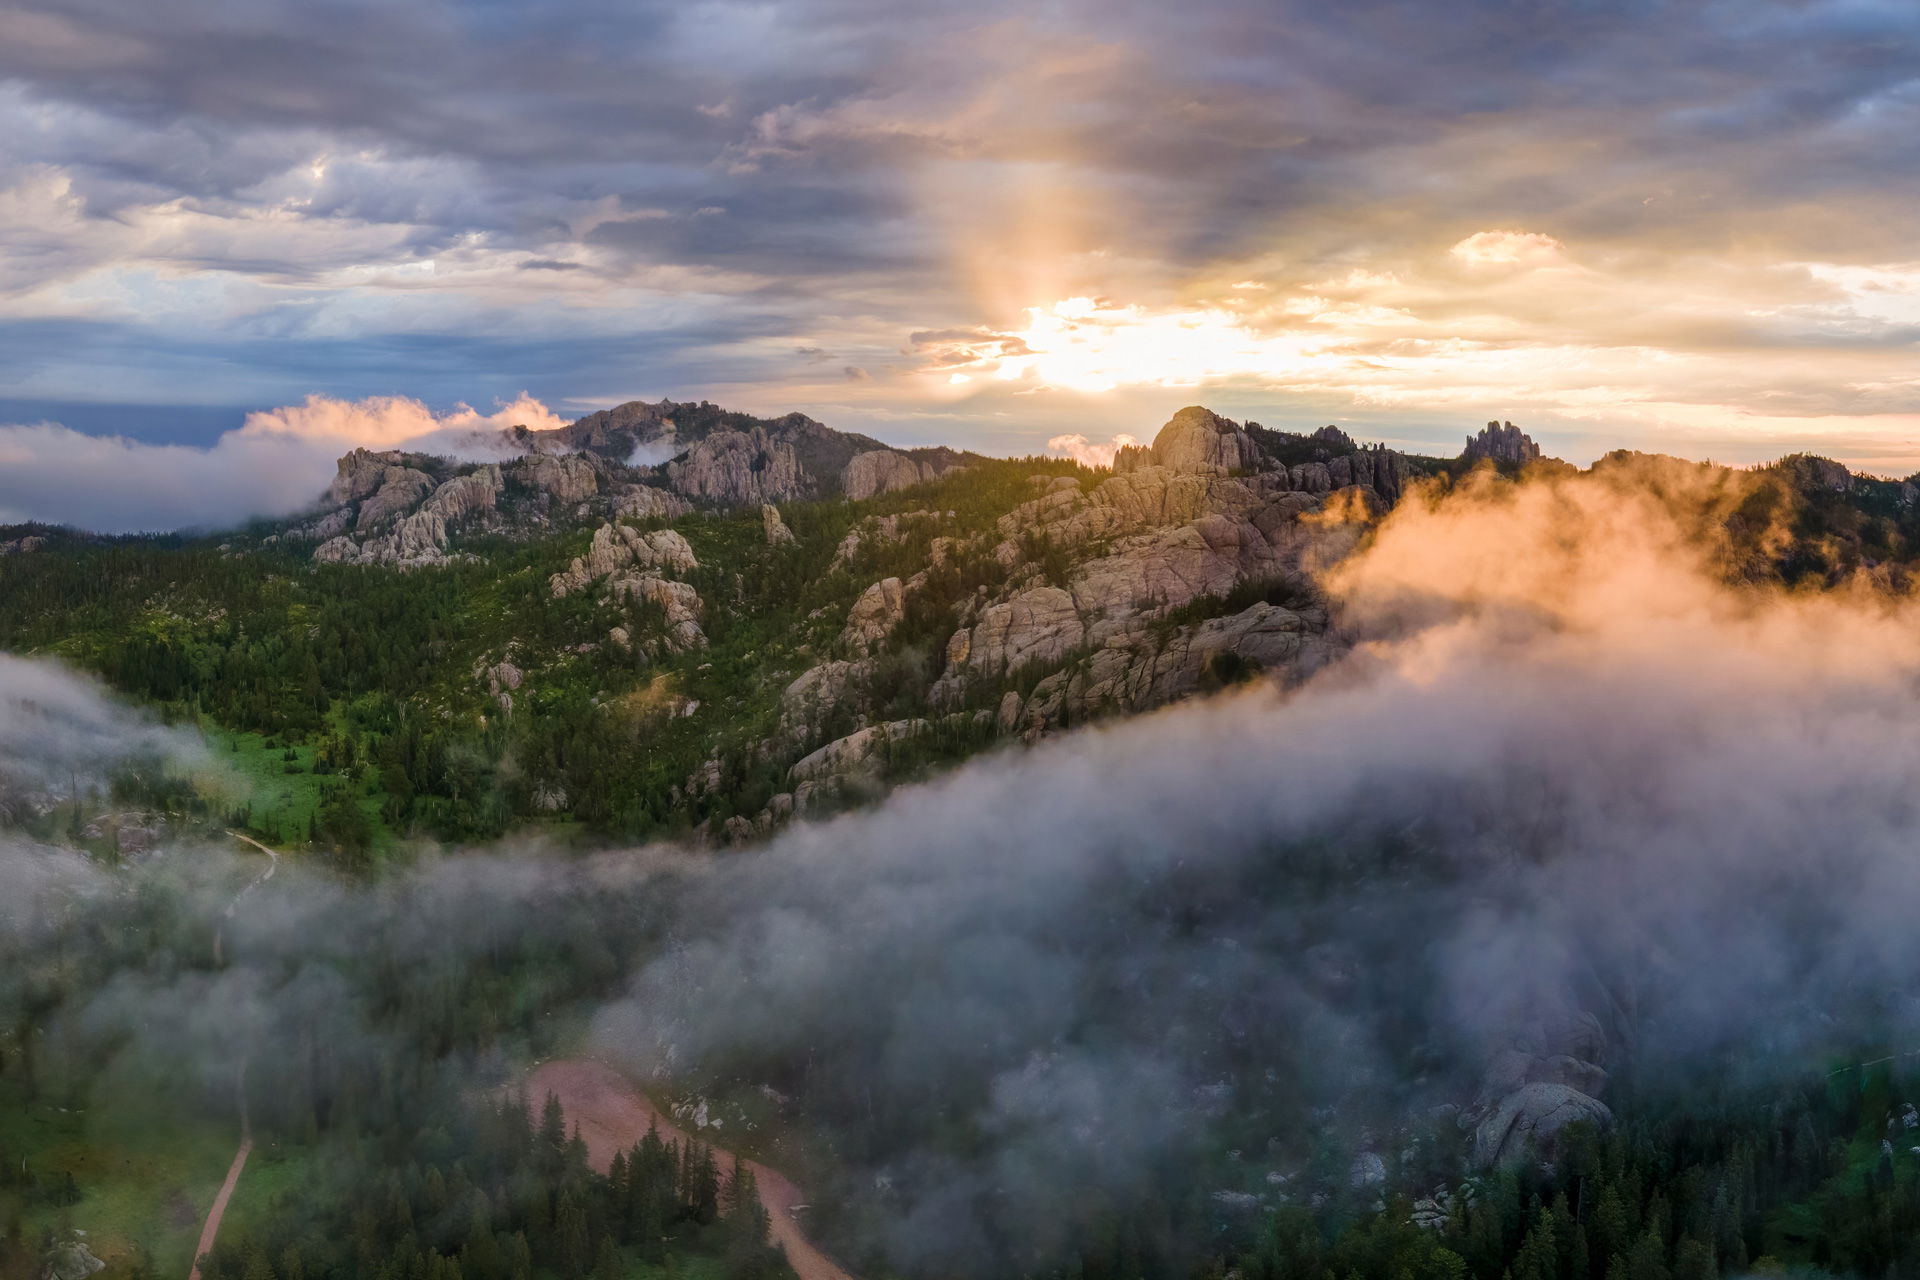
pixel 1810 474
pixel 1501 442
pixel 1200 441
pixel 1334 438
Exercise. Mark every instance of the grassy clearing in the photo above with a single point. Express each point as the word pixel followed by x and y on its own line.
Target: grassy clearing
pixel 144 1181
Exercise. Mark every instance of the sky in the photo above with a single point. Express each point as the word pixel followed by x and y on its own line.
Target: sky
pixel 1683 226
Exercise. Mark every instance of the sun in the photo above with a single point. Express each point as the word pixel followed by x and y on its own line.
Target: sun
pixel 1091 345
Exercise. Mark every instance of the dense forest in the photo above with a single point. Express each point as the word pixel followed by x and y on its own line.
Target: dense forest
pixel 355 697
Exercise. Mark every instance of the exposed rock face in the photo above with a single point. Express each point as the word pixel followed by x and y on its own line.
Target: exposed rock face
pixel 738 467
pixel 616 548
pixel 1037 625
pixel 886 470
pixel 401 489
pixel 632 565
pixel 1138 668
pixel 1528 1122
pixel 22 546
pixel 677 600
pixel 359 475
pixel 1200 441
pixel 778 535
pixel 569 478
pixel 1209 556
pixel 644 502
pixel 418 539
pixel 880 608
pixel 820 692
pixel 1501 442
pixel 1816 475
pixel 853 752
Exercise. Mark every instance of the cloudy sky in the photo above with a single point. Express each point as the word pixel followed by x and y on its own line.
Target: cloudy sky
pixel 1678 225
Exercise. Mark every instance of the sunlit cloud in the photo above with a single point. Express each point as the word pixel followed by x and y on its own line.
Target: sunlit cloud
pixel 1089 453
pixel 1484 248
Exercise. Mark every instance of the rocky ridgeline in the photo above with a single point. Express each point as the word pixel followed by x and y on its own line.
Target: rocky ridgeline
pixel 638 461
pixel 1088 621
pixel 1501 442
pixel 402 509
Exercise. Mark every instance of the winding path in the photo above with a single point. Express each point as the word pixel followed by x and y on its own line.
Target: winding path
pixel 219 1209
pixel 612 1115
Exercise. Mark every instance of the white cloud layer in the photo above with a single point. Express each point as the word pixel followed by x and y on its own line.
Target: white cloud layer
pixel 277 462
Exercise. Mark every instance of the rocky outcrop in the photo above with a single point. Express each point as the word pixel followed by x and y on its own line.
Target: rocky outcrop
pixel 887 470
pixel 616 548
pixel 775 529
pixel 1140 667
pixel 644 502
pixel 401 490
pixel 418 539
pixel 678 601
pixel 854 752
pixel 820 693
pixel 1200 441
pixel 1528 1122
pixel 1501 442
pixel 880 608
pixel 568 478
pixel 1209 556
pixel 632 564
pixel 70 1259
pixel 1039 625
pixel 740 467
pixel 1815 475
pixel 22 546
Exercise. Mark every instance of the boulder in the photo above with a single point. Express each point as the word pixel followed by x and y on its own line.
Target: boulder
pixel 1527 1123
pixel 880 608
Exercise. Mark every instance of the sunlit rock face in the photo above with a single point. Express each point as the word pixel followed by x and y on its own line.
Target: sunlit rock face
pixel 1200 441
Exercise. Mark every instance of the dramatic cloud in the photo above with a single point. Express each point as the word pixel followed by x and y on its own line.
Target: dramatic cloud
pixel 1678 221
pixel 278 461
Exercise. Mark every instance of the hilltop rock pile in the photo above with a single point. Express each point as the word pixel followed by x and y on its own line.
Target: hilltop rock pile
pixel 1501 442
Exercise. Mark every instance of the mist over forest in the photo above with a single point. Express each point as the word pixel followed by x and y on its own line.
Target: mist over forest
pixel 1582 804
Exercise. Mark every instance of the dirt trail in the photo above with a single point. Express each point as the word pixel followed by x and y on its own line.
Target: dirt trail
pixel 612 1115
pixel 219 1210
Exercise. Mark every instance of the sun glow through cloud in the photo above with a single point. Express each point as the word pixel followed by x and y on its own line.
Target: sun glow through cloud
pixel 1084 344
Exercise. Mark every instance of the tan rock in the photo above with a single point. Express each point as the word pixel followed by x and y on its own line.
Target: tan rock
pixel 567 478
pixel 1199 440
pixel 880 608
pixel 777 533
pixel 880 471
pixel 853 752
pixel 739 467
